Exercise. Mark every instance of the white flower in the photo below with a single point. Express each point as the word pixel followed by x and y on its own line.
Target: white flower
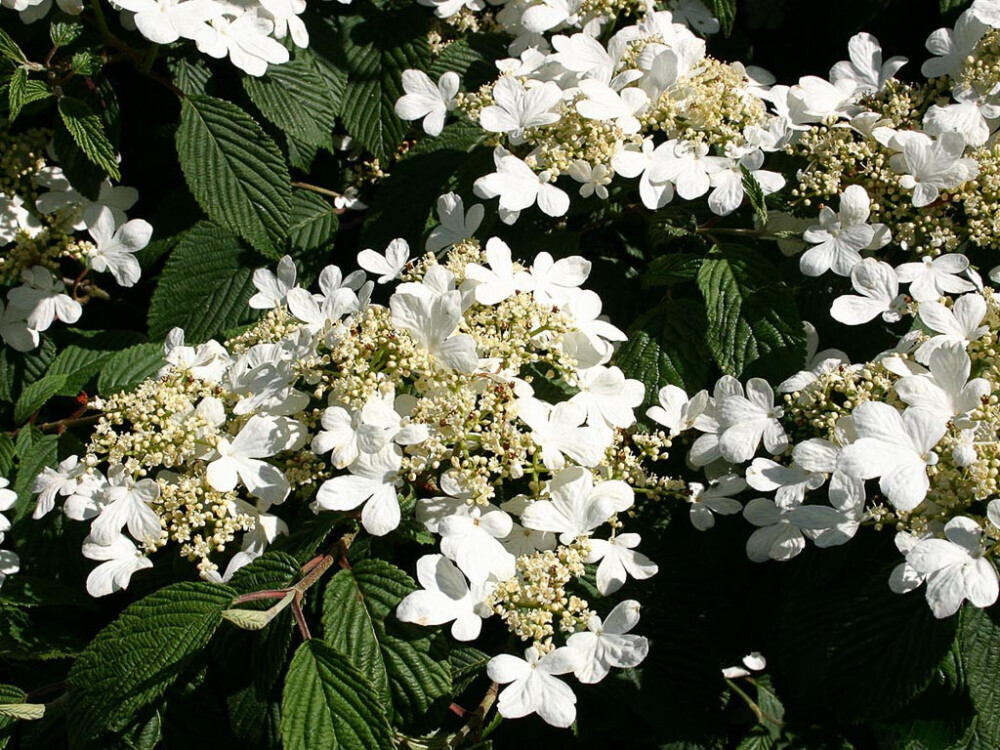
pixel 558 432
pixel 590 344
pixel 987 11
pixel 607 644
pixel 517 108
pixel 929 166
pixel 969 116
pixel 62 480
pixel 789 483
pixel 519 187
pixel 692 168
pixel 128 503
pixel 728 187
pixel 372 481
pixel 652 166
pixel 746 420
pixel 271 288
pixel 929 278
pixel 64 200
pixel 878 284
pixel 456 224
pixel 498 282
pixel 675 411
pixel 696 15
pixel 246 40
pixel 577 507
pixel 866 68
pixel 780 534
pixel 208 361
pixel 7 500
pixel 895 447
pixel 618 561
pixel 534 687
pixel 43 299
pixel 594 180
pixel 553 282
pixel 239 460
pixel 752 662
pixel 432 321
pixel 716 498
pixel 946 390
pixel 608 397
pixel 446 596
pixel 425 100
pixel 951 48
pixel 471 540
pixel 956 568
pixel 115 247
pixel 166 21
pixel 840 237
pixel 814 99
pixel 14 218
pixel 120 560
pixel 959 324
pixel 388 265
pixel 604 103
pixel 285 15
pixel 581 53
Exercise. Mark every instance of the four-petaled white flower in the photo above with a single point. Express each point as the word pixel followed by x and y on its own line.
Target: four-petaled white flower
pixel 675 411
pixel 956 568
pixel 840 237
pixel 746 420
pixel 471 540
pixel 372 481
pixel 115 247
pixel 127 504
pixel 534 686
pixel 878 285
pixel 119 560
pixel 619 560
pixel 518 108
pixel 272 288
pixel 558 432
pixel 239 459
pixel 896 448
pixel 865 67
pixel 446 596
pixel 716 498
pixel 432 321
pixel 43 298
pixel 457 224
pixel 577 507
pixel 425 100
pixel 389 264
pixel 498 282
pixel 519 187
pixel 607 644
pixel 929 278
pixel 603 103
pixel 928 165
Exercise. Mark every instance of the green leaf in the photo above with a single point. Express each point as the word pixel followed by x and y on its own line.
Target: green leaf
pixel 755 194
pixel 36 395
pixel 979 651
pixel 87 130
pixel 725 11
pixel 378 47
pixel 313 222
pixel 329 703
pixel 205 285
pixel 7 454
pixel 65 32
pixel 667 345
pixel 24 91
pixel 406 664
pixel 295 98
pixel 671 269
pixel 10 49
pixel 235 171
pixel 136 658
pixel 190 75
pixel 751 316
pixel 129 367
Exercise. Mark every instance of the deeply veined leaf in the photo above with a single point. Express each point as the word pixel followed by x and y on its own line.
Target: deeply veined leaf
pixel 667 346
pixel 35 395
pixel 23 91
pixel 751 316
pixel 295 99
pixel 205 285
pixel 979 651
pixel 10 49
pixel 136 658
pixel 313 222
pixel 88 131
pixel 379 46
pixel 129 367
pixel 407 664
pixel 755 194
pixel 235 171
pixel 328 702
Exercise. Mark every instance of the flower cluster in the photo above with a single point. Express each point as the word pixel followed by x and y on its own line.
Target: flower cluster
pixel 248 33
pixel 45 265
pixel 479 400
pixel 648 104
